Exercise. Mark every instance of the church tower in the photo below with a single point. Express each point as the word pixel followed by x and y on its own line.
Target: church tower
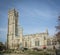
pixel 12 27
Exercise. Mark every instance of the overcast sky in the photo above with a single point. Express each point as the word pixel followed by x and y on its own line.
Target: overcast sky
pixel 35 16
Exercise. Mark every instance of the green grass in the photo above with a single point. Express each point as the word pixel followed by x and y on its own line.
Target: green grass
pixel 36 52
pixel 29 52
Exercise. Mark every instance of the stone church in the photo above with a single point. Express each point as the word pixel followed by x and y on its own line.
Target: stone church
pixel 16 39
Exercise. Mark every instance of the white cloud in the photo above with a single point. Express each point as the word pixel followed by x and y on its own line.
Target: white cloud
pixel 3 29
pixel 40 13
pixel 45 13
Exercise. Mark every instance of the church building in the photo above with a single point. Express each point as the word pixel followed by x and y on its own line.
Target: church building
pixel 16 39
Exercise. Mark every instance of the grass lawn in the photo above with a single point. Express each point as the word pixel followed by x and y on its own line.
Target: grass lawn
pixel 36 52
pixel 30 52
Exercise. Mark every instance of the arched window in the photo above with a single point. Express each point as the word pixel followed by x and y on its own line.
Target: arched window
pixel 48 42
pixel 25 44
pixel 54 42
pixel 37 43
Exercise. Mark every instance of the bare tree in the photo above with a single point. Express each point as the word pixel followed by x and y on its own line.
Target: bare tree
pixel 58 30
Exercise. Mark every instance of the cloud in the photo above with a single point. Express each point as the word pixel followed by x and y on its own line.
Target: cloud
pixel 3 29
pixel 47 13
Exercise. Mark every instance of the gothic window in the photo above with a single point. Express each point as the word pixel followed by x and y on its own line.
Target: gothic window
pixel 54 42
pixel 49 42
pixel 37 43
pixel 25 44
pixel 16 28
pixel 44 38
